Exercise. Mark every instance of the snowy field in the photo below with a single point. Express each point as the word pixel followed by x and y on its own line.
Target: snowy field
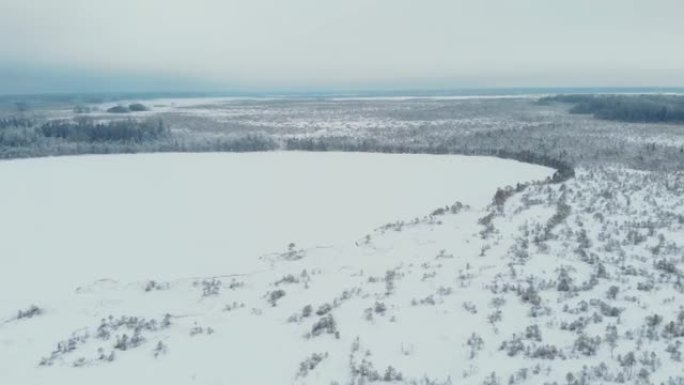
pixel 176 269
pixel 142 236
pixel 177 215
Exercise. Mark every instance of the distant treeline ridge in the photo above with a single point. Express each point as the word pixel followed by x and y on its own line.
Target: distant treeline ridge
pixel 21 139
pixel 627 108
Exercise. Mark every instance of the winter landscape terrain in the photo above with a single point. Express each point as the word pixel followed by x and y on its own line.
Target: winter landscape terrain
pixel 331 265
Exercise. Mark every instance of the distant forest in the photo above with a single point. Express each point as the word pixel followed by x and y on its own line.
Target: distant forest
pixel 24 138
pixel 21 137
pixel 626 108
pixel 536 131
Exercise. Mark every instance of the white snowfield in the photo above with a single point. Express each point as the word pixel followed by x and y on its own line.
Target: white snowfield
pixel 575 283
pixel 84 237
pixel 72 220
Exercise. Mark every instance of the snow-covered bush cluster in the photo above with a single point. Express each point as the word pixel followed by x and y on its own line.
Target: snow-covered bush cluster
pixel 113 334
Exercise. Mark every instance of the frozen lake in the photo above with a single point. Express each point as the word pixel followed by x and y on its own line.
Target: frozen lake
pixel 69 221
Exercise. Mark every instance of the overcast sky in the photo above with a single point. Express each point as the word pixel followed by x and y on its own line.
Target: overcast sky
pixel 341 44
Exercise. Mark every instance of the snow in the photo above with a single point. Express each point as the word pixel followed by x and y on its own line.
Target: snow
pixel 379 288
pixel 519 292
pixel 167 215
pixel 83 237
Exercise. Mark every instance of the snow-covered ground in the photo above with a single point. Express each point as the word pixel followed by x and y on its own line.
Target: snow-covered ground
pixel 572 283
pixel 143 236
pixel 170 215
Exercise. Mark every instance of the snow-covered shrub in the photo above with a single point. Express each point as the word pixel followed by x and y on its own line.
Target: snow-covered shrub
pixel 310 363
pixel 31 312
pixel 530 295
pixel 492 379
pixel 154 285
pixel 292 253
pixel 325 325
pixel 564 280
pixel 470 307
pixel 562 213
pixel 235 284
pixel 274 296
pixel 324 309
pixel 390 277
pixel 612 292
pixel 288 279
pixel 586 345
pixel 160 349
pixel 105 357
pixel 211 287
pixel 429 300
pixel 545 352
pixel 392 375
pixel 197 329
pixel 475 343
pixel 380 308
pixel 533 333
pixel 233 306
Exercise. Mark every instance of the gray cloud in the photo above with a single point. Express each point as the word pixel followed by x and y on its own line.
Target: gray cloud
pixel 354 43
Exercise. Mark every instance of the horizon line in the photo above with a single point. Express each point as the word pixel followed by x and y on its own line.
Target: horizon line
pixel 355 92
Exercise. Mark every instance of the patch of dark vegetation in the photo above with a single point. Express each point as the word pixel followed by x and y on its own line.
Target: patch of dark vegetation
pixel 24 138
pixel 310 364
pixel 31 312
pixel 274 296
pixel 562 213
pixel 210 287
pixel 137 107
pixel 14 121
pixel 324 325
pixel 625 108
pixel 121 334
pixel 112 131
pixel 118 110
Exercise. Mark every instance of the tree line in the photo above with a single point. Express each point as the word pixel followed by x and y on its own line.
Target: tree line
pixel 564 169
pixel 14 121
pixel 109 131
pixel 88 136
pixel 627 108
pixel 22 138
